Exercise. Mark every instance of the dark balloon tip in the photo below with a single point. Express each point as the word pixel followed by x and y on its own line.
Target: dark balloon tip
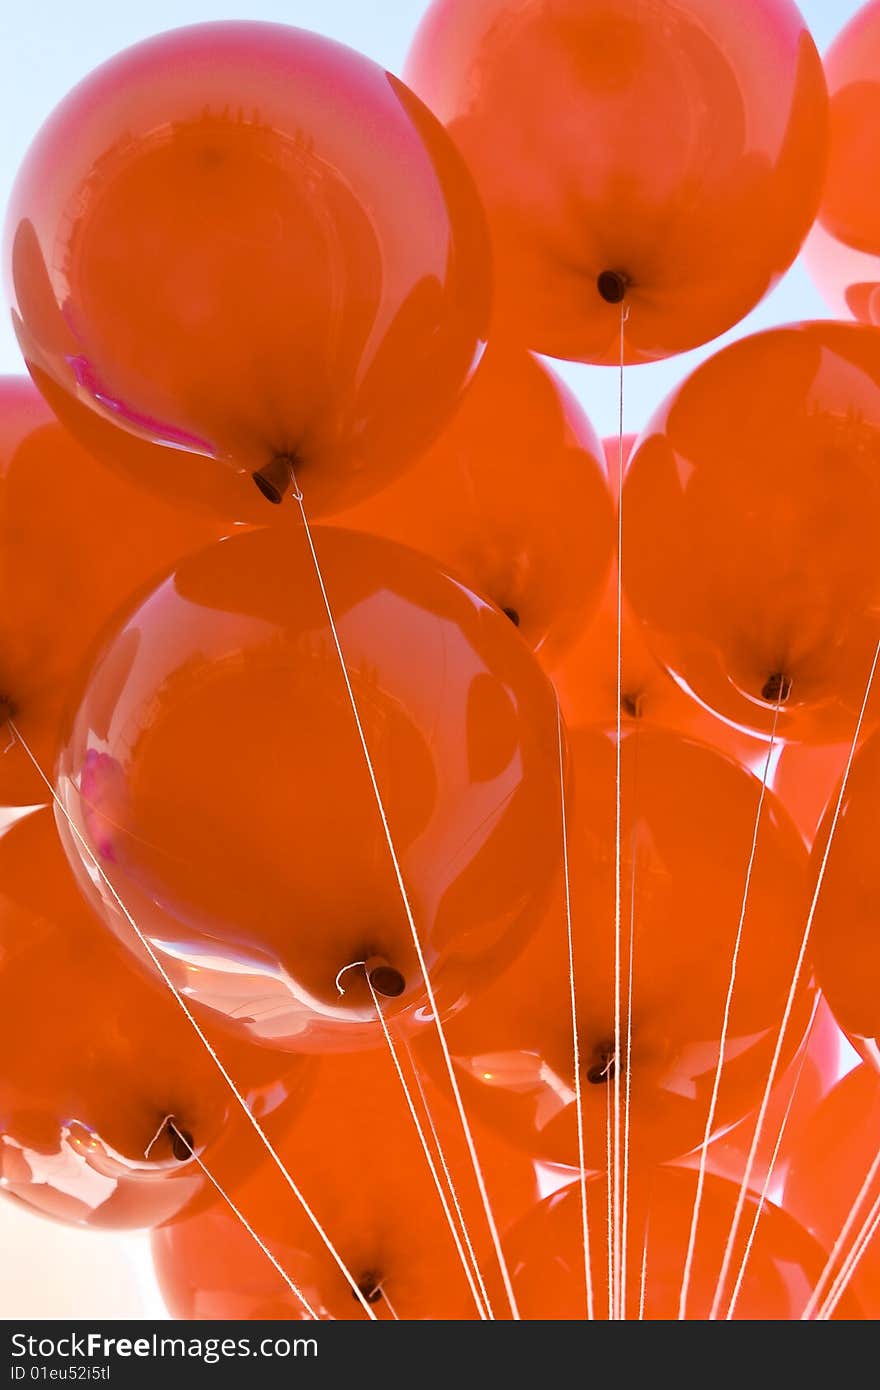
pixel 512 614
pixel 181 1143
pixel 275 479
pixel 387 981
pixel 612 286
pixel 369 1287
pixel 776 688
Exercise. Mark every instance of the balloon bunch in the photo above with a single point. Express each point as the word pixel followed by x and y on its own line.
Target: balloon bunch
pixel 457 908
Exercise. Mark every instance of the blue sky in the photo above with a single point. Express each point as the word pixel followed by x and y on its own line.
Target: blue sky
pixel 48 45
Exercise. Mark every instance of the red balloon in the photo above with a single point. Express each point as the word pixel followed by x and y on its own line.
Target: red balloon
pixel 512 498
pixel 805 778
pixel 215 772
pixel 250 244
pixel 793 1099
pixel 357 1157
pixel 687 820
pixel 845 941
pixel 75 543
pixel 547 1254
pixel 843 250
pixel 97 1061
pixel 666 156
pixel 752 508
pixel 830 1161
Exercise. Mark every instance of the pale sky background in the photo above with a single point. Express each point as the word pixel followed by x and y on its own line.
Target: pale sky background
pixel 46 1270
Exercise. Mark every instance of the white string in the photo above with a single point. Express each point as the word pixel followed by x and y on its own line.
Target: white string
pixel 294 1288
pixel 438 1022
pixel 851 1263
pixel 445 1166
pixel 629 999
pixel 789 1005
pixel 771 1167
pixel 865 1188
pixel 644 1276
pixel 624 315
pixel 578 1091
pixel 610 1212
pixel 427 1152
pixel 725 1025
pixel 251 1118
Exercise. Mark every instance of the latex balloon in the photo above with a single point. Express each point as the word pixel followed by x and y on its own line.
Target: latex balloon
pixel 246 242
pixel 805 778
pixel 356 1153
pixel 75 543
pixel 512 498
pixel 666 157
pixel 845 940
pixel 793 1099
pixel 106 1092
pixel 830 1160
pixel 612 447
pixel 752 504
pixel 546 1252
pixel 216 774
pixel 843 250
pixel 687 820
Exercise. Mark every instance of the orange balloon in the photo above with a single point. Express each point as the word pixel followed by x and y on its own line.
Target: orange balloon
pixel 356 1155
pixel 752 508
pixel 793 1099
pixel 687 819
pixel 215 771
pixel 845 940
pixel 612 447
pixel 75 543
pixel 97 1061
pixel 546 1252
pixel 843 250
pixel 666 156
pixel 830 1162
pixel 805 778
pixel 249 243
pixel 512 498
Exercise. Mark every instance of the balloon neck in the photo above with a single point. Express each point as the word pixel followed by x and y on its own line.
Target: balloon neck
pixel 603 1067
pixel 512 614
pixel 369 1287
pixel 7 709
pixel 631 705
pixel 612 285
pixel 181 1142
pixel 776 688
pixel 385 979
pixel 276 478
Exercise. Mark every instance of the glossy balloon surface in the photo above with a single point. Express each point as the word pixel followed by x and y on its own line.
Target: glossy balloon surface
pixel 547 1254
pixel 76 542
pixel 687 819
pixel 675 148
pixel 97 1060
pixel 215 771
pixel 512 498
pixel 357 1158
pixel 250 243
pixel 845 939
pixel 843 250
pixel 830 1162
pixel 752 507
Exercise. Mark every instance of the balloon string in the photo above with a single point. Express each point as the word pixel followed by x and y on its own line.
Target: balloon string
pixel 629 999
pixel 578 1085
pixel 449 1180
pixel 423 1141
pixel 725 1027
pixel 420 955
pixel 851 1263
pixel 610 1213
pixel 251 1118
pixel 615 1184
pixel 771 1167
pixel 644 1279
pixel 294 1288
pixel 813 1301
pixel 789 1005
